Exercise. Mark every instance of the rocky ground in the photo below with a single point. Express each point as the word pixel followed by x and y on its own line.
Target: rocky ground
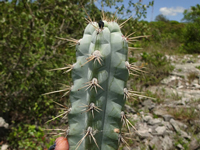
pixel 173 123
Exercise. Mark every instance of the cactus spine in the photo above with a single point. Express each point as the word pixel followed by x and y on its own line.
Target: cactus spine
pixel 97 96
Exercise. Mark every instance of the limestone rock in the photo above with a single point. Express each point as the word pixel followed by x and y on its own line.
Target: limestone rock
pixel 198 107
pixel 148 104
pixel 147 118
pixel 180 147
pixel 167 117
pixel 143 134
pixel 178 130
pixel 195 144
pixel 130 109
pixel 3 123
pixel 160 130
pixel 167 143
pixel 4 147
pixel 155 143
pixel 144 131
pixel 156 121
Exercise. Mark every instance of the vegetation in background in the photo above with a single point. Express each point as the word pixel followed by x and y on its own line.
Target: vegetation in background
pixel 162 18
pixel 165 35
pixel 191 34
pixel 192 76
pixel 28 50
pixel 28 137
pixel 173 36
pixel 183 113
pixel 198 67
pixel 191 38
pixel 156 67
pixel 192 14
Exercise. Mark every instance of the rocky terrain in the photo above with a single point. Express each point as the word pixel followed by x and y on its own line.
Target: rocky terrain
pixel 173 123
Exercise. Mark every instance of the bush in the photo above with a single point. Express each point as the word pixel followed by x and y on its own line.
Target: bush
pixel 28 49
pixel 157 67
pixel 191 40
pixel 28 137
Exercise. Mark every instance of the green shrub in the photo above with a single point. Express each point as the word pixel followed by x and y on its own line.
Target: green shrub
pixel 157 68
pixel 191 40
pixel 28 137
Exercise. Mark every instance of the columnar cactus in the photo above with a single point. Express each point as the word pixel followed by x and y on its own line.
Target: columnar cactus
pixel 97 95
pixel 99 89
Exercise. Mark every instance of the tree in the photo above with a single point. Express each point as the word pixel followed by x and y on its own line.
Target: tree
pixel 161 17
pixel 28 49
pixel 192 14
pixel 191 38
pixel 191 33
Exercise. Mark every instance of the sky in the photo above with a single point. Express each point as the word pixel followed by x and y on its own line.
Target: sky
pixel 172 9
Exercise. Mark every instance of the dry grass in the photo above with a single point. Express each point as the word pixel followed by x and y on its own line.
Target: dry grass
pixel 184 113
pixel 192 76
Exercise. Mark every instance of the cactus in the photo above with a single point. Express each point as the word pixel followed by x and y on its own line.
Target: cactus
pixel 99 91
pixel 97 96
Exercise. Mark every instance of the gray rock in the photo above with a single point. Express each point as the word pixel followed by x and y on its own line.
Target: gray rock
pixel 185 135
pixel 195 122
pixel 180 147
pixel 167 143
pixel 178 130
pixel 155 143
pixel 4 147
pixel 160 110
pixel 126 148
pixel 180 102
pixel 3 123
pixel 130 109
pixel 136 148
pixel 185 100
pixel 169 132
pixel 148 104
pixel 190 61
pixel 196 86
pixel 144 134
pixel 195 144
pixel 180 124
pixel 199 80
pixel 147 118
pixel 168 125
pixel 167 117
pixel 156 121
pixel 198 106
pixel 176 124
pixel 135 117
pixel 143 131
pixel 160 130
pixel 169 79
pixel 180 87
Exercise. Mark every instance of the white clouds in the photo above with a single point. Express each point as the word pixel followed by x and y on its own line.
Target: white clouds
pixel 171 11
